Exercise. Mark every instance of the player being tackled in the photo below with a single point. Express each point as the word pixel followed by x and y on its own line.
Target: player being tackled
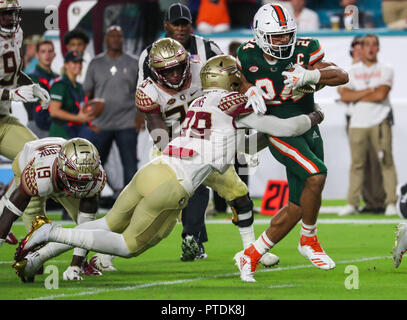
pixel 146 211
pixel 280 73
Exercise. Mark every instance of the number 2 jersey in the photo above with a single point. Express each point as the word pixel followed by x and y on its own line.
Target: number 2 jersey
pixel 37 166
pixel 171 104
pixel 267 75
pixel 10 65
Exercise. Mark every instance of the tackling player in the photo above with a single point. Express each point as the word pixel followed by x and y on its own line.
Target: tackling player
pixel 147 209
pixel 70 173
pixel 165 98
pixel 14 84
pixel 274 66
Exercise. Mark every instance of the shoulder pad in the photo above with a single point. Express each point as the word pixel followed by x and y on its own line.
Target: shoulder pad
pixel 234 104
pixel 28 181
pixel 145 104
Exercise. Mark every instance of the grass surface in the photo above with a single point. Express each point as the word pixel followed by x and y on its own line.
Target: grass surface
pixel 158 274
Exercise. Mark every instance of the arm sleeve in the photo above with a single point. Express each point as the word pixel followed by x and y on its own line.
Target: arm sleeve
pixel 387 77
pixel 277 127
pixel 57 92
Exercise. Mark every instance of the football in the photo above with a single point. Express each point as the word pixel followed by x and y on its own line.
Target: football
pixel 308 88
pixel 95 106
pixel 269 260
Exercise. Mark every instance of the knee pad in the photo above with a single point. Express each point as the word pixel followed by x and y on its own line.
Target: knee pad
pixel 242 211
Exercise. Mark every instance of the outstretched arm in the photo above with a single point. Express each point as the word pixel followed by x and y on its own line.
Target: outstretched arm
pixel 14 207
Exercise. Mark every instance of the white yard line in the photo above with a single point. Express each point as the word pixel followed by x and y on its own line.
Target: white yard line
pixel 169 283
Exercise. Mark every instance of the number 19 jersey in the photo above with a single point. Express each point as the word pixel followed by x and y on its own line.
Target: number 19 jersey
pixel 267 75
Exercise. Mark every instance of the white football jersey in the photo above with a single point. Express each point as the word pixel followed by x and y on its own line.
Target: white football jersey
pixel 171 104
pixel 37 164
pixel 208 139
pixel 11 63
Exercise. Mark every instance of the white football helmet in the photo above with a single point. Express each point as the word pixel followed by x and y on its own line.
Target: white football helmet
pixel 273 20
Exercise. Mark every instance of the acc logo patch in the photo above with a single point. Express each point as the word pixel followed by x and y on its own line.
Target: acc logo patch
pixel 171 101
pixel 254 69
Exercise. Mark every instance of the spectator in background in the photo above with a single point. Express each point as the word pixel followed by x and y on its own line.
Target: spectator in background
pixel 213 16
pixel 307 19
pixel 112 76
pixel 178 26
pixel 30 59
pixel 373 192
pixel 395 13
pixel 78 40
pixel 368 88
pixel 364 18
pixel 39 120
pixel 69 118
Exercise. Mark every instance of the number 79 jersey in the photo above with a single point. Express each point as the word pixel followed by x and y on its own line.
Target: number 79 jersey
pixel 10 65
pixel 267 75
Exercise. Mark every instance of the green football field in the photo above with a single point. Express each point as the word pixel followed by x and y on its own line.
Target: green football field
pixel 360 245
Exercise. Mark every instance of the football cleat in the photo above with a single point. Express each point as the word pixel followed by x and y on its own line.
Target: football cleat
pixel 190 248
pixel 35 238
pixel 28 267
pixel 247 262
pixel 269 260
pixel 400 244
pixel 201 254
pixel 89 270
pixel 401 205
pixel 102 262
pixel 11 238
pixel 310 248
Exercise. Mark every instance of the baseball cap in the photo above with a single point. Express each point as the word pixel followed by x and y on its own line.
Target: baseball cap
pixel 178 11
pixel 74 56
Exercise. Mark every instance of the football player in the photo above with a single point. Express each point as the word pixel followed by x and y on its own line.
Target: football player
pixel 165 98
pixel 280 72
pixel 69 172
pixel 14 84
pixel 147 209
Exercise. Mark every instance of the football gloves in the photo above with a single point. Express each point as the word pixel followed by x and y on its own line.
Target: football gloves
pixel 255 100
pixel 42 95
pixel 23 94
pixel 31 93
pixel 300 77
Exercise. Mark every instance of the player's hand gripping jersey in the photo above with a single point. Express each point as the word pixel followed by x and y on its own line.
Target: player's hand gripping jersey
pixel 151 97
pixel 37 166
pixel 257 70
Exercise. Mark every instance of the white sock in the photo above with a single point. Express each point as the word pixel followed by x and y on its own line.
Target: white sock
pixel 83 218
pixel 93 240
pixel 308 230
pixel 263 244
pixel 51 250
pixel 247 235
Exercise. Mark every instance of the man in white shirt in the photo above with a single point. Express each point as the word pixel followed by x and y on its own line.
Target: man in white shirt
pixel 307 19
pixel 368 88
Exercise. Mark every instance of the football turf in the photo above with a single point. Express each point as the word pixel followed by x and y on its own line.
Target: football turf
pixel 360 245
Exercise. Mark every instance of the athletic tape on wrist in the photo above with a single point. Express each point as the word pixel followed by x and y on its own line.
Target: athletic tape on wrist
pixel 9 205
